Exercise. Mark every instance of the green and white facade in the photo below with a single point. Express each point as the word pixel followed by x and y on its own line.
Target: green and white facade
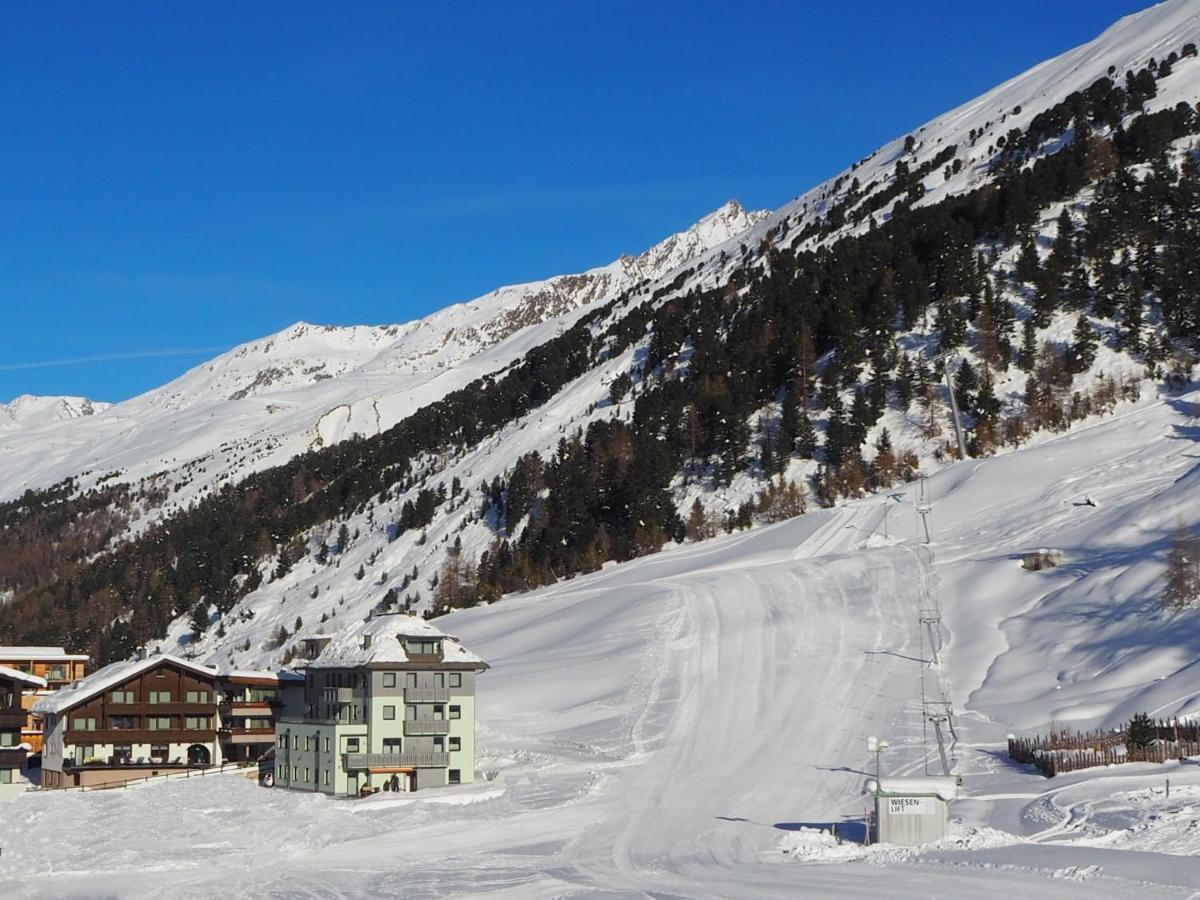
pixel 388 706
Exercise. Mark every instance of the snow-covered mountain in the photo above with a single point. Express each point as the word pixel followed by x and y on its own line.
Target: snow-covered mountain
pixel 28 411
pixel 313 385
pixel 684 723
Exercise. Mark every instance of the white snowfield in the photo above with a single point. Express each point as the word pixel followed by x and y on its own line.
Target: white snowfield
pixel 691 724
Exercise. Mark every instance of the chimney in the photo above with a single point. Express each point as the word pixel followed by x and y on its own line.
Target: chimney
pixel 366 642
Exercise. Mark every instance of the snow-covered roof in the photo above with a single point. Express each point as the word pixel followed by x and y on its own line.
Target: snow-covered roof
pixel 943 786
pixel 381 640
pixel 261 674
pixel 18 675
pixel 40 653
pixel 85 688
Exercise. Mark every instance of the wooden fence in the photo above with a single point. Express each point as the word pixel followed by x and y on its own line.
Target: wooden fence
pixel 162 776
pixel 1067 751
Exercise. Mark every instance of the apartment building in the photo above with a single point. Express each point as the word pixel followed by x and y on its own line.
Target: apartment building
pixel 55 666
pixel 387 706
pixel 130 719
pixel 14 685
pixel 150 715
pixel 247 703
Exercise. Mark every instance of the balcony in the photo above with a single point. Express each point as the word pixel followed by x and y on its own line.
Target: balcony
pixel 13 717
pixel 142 736
pixel 249 735
pixel 352 761
pixel 12 757
pixel 243 704
pixel 426 726
pixel 174 708
pixel 426 695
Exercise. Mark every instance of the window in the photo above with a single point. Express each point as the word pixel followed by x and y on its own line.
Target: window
pixel 123 752
pixel 197 696
pixel 8 739
pixel 410 680
pixel 456 679
pixel 455 712
pixel 121 697
pixel 389 679
pixel 439 711
pixel 306 740
pixel 454 776
pixel 351 745
pixel 439 680
pixel 326 745
pixel 421 648
pixel 123 723
pixel 160 696
pixel 455 744
pixel 410 713
pixel 158 752
pixel 326 778
pixel 306 773
pixel 196 723
pixel 295 742
pixel 439 745
pixel 391 745
pixel 5 776
pixel 283 742
pixel 159 723
pixel 389 712
pixel 85 725
pixel 295 773
pixel 56 673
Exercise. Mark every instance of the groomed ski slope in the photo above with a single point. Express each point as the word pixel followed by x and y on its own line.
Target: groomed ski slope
pixel 666 728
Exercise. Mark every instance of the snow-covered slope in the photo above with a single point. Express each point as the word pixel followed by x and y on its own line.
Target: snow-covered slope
pixel 685 725
pixel 28 411
pixel 324 596
pixel 312 385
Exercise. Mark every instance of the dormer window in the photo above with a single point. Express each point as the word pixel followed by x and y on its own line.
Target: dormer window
pixel 421 648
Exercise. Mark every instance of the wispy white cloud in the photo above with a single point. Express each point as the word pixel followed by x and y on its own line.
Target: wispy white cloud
pixel 108 357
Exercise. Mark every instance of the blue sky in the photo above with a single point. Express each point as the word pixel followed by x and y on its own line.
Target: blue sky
pixel 178 178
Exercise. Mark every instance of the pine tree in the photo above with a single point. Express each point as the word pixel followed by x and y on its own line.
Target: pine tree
pixel 904 382
pixel 966 383
pixel 1129 331
pixel 199 620
pixel 1027 355
pixel 1140 733
pixel 837 434
pixel 789 428
pixel 806 438
pixel 1082 352
pixel 1028 268
pixel 951 325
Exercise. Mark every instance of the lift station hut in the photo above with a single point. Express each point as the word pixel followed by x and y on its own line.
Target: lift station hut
pixel 910 811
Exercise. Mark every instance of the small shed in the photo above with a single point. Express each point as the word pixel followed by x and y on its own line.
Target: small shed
pixel 1036 560
pixel 914 810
